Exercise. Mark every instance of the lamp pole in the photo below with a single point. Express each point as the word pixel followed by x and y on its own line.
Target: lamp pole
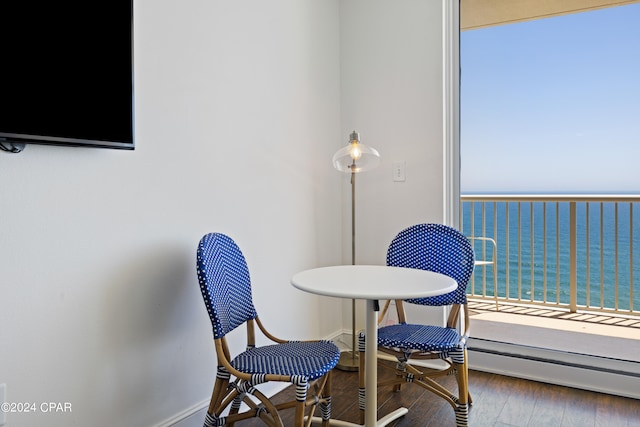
pixel 353 158
pixel 353 261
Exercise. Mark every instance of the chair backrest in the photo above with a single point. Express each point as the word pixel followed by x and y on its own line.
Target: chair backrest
pixel 438 248
pixel 225 283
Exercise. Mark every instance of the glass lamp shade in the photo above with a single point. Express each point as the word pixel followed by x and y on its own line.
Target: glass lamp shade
pixel 356 157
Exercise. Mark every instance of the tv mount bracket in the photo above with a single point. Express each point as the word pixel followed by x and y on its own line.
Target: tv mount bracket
pixel 11 147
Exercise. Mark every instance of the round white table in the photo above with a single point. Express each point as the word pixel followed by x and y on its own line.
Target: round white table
pixel 372 283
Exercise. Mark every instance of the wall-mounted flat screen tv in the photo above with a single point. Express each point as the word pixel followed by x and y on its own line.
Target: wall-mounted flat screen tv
pixel 66 73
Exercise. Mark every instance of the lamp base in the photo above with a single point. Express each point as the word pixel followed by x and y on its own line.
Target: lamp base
pixel 349 361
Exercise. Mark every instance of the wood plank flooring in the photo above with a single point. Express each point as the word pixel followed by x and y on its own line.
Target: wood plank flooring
pixel 498 401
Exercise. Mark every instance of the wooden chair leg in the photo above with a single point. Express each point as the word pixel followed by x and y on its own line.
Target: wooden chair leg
pixel 218 394
pixel 299 417
pixel 464 401
pixel 325 408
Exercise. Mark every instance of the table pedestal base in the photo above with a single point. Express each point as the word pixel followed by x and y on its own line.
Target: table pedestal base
pixel 400 412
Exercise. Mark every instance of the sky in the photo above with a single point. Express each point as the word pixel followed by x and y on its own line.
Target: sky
pixel 552 105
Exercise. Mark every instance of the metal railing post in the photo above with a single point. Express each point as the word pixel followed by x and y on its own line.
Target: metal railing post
pixel 573 264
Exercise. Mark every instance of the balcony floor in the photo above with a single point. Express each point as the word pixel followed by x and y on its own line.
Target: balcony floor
pixel 600 335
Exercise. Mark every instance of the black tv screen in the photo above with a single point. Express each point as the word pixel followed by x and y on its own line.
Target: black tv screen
pixel 66 73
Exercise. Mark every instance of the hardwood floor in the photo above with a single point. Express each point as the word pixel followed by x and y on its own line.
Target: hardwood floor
pixel 498 401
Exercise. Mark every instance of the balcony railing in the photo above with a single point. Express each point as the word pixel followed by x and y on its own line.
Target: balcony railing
pixel 575 252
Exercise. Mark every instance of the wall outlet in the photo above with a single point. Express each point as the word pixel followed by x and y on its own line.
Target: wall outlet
pixel 3 399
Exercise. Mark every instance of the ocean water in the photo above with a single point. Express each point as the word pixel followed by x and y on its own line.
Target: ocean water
pixel 537 266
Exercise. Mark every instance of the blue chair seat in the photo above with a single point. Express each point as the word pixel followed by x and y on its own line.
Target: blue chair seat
pixel 308 359
pixel 418 337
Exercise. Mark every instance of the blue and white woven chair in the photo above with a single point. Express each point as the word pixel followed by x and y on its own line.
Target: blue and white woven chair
pixel 442 249
pixel 226 289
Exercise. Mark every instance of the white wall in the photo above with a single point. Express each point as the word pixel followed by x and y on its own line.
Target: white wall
pixel 391 62
pixel 239 107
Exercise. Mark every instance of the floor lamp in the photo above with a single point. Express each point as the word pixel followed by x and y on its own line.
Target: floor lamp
pixel 353 159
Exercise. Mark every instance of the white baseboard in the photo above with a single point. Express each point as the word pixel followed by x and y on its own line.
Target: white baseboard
pixel 603 375
pixel 190 417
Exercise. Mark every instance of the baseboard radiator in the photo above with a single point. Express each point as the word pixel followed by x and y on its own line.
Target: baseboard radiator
pixel 600 374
